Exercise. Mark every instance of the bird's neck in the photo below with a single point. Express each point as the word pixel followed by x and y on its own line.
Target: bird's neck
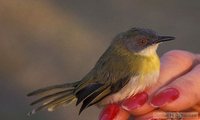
pixel 143 62
pixel 149 51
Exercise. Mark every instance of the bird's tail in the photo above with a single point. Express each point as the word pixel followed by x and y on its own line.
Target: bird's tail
pixel 53 96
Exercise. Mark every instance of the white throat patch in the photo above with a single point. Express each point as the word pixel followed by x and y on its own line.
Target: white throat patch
pixel 149 50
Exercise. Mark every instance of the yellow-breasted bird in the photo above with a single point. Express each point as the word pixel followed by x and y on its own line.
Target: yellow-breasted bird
pixel 127 67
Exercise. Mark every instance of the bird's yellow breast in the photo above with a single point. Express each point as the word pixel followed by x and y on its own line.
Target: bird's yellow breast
pixel 143 62
pixel 147 64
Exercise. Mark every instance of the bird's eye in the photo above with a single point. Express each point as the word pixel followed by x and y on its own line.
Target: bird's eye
pixel 142 41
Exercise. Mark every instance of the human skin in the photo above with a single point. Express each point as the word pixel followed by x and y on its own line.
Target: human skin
pixel 177 89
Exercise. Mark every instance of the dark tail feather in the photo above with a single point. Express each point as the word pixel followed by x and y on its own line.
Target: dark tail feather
pixel 54 87
pixel 64 95
pixel 51 104
pixel 50 96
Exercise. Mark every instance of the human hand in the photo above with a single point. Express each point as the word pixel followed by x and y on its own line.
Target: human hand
pixel 177 89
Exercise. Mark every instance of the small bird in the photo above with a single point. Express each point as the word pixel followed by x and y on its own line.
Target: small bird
pixel 127 67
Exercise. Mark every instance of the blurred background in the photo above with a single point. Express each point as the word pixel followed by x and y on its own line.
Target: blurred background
pixel 46 42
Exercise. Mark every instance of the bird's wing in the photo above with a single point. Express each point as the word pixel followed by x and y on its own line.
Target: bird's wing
pixel 92 94
pixel 110 74
pixel 95 92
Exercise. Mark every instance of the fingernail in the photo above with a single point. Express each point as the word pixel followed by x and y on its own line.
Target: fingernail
pixel 166 96
pixel 109 112
pixel 135 101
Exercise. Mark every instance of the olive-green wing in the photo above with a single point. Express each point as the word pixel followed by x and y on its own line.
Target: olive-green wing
pixel 110 74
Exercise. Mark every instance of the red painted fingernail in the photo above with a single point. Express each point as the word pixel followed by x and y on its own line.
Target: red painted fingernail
pixel 109 112
pixel 135 101
pixel 166 96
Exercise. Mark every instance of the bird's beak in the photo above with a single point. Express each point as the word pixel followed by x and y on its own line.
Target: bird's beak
pixel 163 39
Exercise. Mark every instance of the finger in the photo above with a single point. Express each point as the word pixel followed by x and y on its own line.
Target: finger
pixel 153 115
pixel 162 115
pixel 173 64
pixel 113 112
pixel 171 67
pixel 180 94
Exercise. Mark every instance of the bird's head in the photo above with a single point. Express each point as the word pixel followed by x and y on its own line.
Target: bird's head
pixel 141 41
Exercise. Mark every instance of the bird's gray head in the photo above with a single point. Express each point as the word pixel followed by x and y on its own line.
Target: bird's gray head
pixel 141 40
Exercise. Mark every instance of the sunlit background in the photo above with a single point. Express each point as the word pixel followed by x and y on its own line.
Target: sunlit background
pixel 46 42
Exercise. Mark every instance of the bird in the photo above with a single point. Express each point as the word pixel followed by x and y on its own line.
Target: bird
pixel 128 66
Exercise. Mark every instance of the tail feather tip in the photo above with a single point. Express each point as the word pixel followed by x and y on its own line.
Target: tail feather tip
pixel 31 113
